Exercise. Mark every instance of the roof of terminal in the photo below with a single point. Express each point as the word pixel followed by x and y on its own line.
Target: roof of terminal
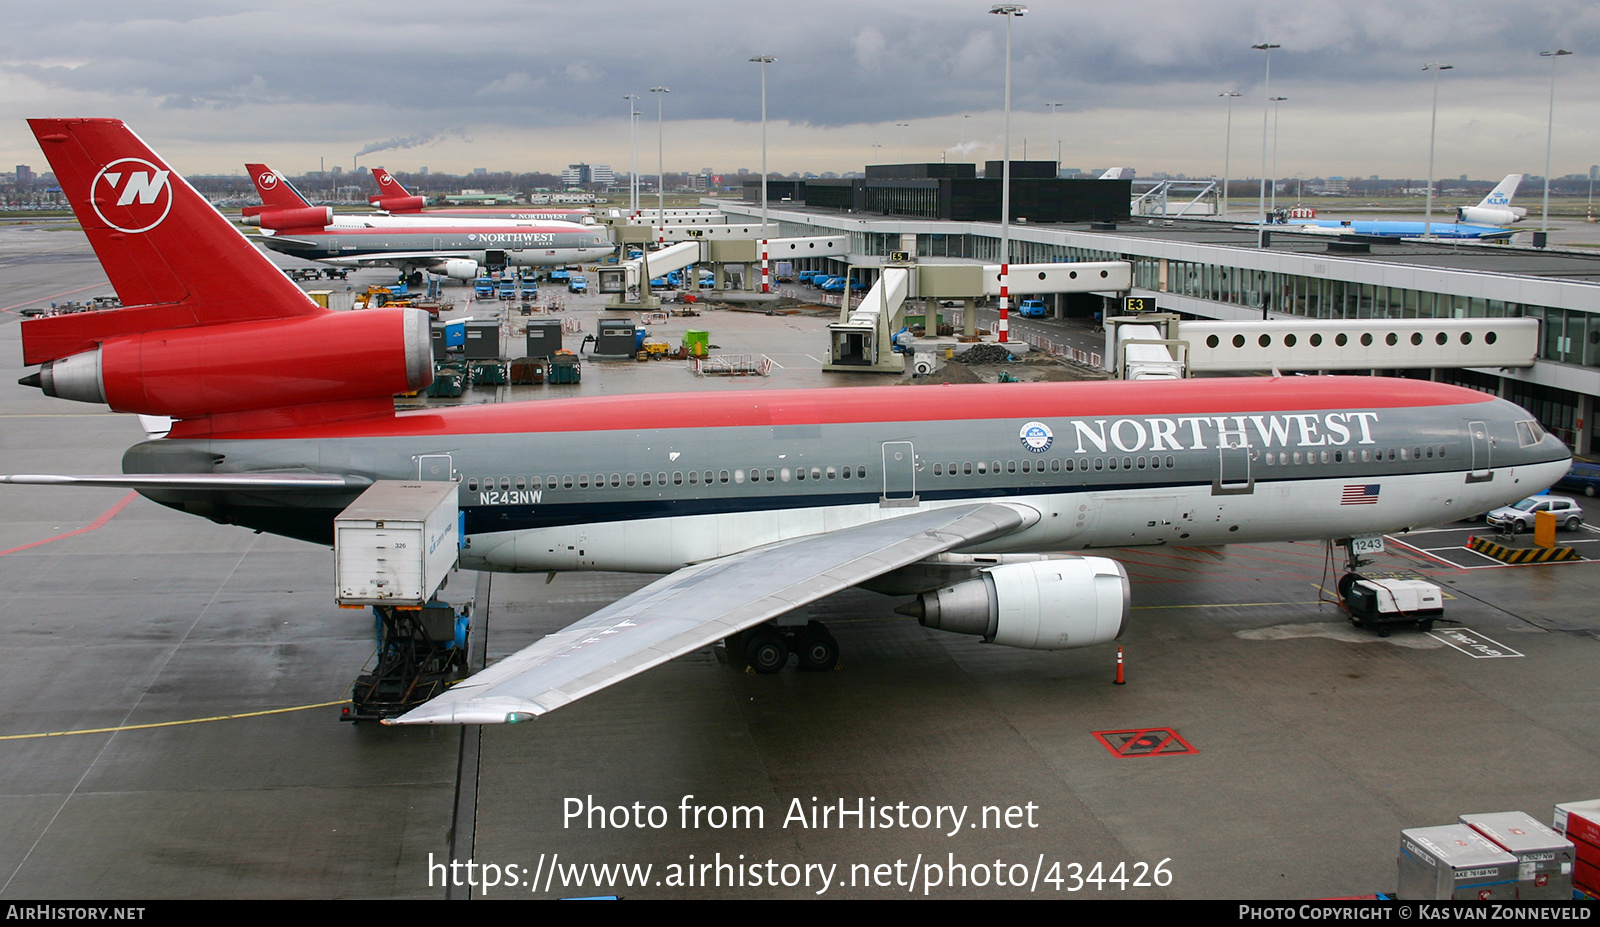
pixel 1569 264
pixel 1483 257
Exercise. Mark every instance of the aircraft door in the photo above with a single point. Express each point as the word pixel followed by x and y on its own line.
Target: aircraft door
pixel 1234 457
pixel 435 467
pixel 1482 450
pixel 899 474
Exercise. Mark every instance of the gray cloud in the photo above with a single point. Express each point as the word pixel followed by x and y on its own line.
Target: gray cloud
pixel 357 71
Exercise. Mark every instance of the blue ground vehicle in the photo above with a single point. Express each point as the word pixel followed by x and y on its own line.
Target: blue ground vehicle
pixel 529 287
pixel 832 285
pixel 578 284
pixel 1584 476
pixel 1031 309
pixel 483 288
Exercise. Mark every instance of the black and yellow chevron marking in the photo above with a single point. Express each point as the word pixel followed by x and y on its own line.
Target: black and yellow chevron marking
pixel 1521 554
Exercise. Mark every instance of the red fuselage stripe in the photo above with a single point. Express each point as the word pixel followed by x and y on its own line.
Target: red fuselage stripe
pixel 856 405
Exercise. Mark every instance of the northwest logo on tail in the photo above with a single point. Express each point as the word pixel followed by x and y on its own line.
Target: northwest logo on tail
pixel 267 180
pixel 144 195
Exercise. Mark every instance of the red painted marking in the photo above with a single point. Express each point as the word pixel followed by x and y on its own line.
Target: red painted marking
pixel 1143 742
pixel 972 402
pixel 96 524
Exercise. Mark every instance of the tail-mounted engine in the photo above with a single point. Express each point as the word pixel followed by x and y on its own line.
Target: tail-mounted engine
pixel 244 366
pixel 278 220
pixel 1057 604
pixel 398 204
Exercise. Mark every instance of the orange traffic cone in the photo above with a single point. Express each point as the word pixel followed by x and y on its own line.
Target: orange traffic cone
pixel 1119 680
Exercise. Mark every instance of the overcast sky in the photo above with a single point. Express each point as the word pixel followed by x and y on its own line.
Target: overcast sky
pixel 534 86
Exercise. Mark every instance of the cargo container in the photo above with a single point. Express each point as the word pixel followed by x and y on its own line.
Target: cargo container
pixel 396 543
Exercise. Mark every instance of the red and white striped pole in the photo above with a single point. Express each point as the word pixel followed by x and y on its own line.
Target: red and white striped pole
pixel 766 286
pixel 1005 303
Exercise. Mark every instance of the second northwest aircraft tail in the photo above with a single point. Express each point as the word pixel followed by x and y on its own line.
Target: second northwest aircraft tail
pixel 392 197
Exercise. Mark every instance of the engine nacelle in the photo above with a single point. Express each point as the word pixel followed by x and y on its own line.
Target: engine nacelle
pixel 1490 215
pixel 398 204
pixel 247 366
pixel 458 269
pixel 305 217
pixel 1057 604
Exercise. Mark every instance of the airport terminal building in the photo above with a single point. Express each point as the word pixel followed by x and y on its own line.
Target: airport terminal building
pixel 1213 270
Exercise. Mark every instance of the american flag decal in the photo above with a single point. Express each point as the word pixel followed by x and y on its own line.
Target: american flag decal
pixel 1360 494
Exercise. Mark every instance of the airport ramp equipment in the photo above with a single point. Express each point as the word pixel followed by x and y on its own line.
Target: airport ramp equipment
pixel 864 339
pixel 665 261
pixel 1072 277
pixel 1145 355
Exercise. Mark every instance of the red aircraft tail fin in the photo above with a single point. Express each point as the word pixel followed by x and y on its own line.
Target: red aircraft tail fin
pixel 392 197
pixel 173 259
pixel 275 190
pixel 387 184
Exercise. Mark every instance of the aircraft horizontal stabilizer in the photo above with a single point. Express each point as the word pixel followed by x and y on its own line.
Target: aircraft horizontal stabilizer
pixel 704 603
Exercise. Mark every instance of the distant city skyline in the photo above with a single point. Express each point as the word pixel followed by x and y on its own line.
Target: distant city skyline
pixel 539 86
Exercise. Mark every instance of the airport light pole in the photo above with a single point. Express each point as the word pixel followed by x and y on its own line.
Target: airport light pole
pixel 1055 125
pixel 661 161
pixel 1433 122
pixel 633 143
pixel 1549 136
pixel 1275 101
pixel 1261 204
pixel 902 126
pixel 1010 11
pixel 1227 148
pixel 764 60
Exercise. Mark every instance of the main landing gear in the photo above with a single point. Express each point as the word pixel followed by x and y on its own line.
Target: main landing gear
pixel 421 651
pixel 766 648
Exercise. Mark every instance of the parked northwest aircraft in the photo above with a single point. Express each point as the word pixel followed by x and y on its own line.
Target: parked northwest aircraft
pixel 452 247
pixel 751 503
pixel 1495 210
pixel 393 199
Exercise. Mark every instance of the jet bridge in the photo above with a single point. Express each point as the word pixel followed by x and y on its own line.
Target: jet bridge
pixel 708 245
pixel 1155 343
pixel 863 338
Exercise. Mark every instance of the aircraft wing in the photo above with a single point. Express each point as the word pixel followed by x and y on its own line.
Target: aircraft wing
pixel 297 480
pixel 700 604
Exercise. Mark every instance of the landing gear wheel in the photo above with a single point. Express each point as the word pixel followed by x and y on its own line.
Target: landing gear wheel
pixel 766 652
pixel 817 649
pixel 414 278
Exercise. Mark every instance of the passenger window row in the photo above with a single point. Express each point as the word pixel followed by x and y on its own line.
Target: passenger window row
pixel 662 478
pixel 1053 465
pixel 1368 455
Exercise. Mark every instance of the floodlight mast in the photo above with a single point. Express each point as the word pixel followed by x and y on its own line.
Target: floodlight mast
pixel 764 60
pixel 1261 205
pixel 1010 11
pixel 1433 122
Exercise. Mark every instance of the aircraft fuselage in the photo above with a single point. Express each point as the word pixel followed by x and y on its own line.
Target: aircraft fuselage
pixel 518 246
pixel 631 483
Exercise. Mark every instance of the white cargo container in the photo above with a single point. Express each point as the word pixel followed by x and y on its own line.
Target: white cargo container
pixel 396 543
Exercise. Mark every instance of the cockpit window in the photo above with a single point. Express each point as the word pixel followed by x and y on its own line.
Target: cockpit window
pixel 1529 433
